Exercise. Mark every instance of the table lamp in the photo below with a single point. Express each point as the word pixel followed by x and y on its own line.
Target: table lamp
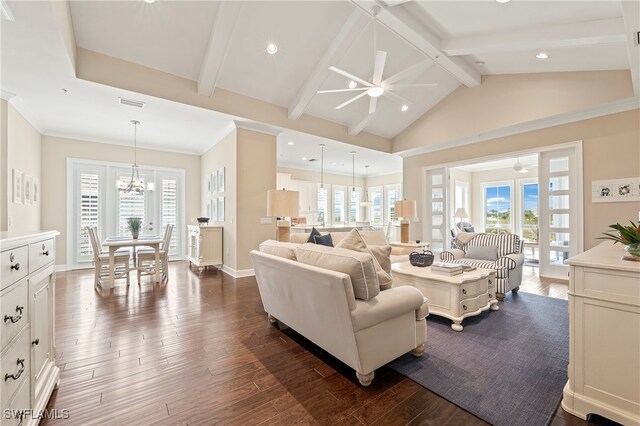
pixel 282 203
pixel 405 209
pixel 461 213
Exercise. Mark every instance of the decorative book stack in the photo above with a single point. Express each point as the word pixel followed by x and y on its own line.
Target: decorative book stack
pixel 447 268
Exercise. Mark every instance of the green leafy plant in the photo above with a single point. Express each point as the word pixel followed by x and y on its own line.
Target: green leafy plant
pixel 625 234
pixel 134 223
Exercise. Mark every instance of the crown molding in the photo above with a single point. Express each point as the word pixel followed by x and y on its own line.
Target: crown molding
pixel 609 108
pixel 6 95
pixel 255 126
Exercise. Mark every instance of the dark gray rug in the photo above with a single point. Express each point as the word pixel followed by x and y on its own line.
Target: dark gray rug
pixel 507 367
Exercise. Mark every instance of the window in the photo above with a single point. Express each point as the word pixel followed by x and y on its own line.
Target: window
pixel 354 206
pixel 375 212
pixel 529 219
pixel 130 204
pixel 461 198
pixel 392 195
pixel 498 208
pixel 339 206
pixel 323 202
pixel 89 211
pixel 170 209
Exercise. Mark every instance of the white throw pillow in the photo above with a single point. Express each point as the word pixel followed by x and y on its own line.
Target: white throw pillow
pixel 354 241
pixel 359 266
pixel 482 252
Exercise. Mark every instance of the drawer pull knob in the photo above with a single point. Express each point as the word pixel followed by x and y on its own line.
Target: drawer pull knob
pixel 45 253
pixel 490 282
pixel 18 374
pixel 464 291
pixel 36 342
pixel 11 257
pixel 17 317
pixel 464 307
pixel 16 266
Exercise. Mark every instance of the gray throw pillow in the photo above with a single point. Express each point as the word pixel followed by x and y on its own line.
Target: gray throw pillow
pixel 482 252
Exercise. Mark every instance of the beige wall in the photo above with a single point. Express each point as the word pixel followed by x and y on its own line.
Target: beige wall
pixel 55 152
pixel 5 178
pixel 505 100
pixel 256 175
pixel 314 176
pixel 389 179
pixel 223 154
pixel 610 150
pixel 23 153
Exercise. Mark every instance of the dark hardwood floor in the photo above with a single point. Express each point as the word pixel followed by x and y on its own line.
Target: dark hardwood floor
pixel 199 350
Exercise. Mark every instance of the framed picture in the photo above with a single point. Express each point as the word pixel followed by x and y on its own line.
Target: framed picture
pixel 220 180
pixel 208 183
pixel 220 209
pixel 213 211
pixel 35 192
pixel 26 191
pixel 615 190
pixel 213 183
pixel 17 186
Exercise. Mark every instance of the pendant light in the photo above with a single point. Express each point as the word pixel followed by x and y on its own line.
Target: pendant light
pixel 322 147
pixel 135 184
pixel 366 202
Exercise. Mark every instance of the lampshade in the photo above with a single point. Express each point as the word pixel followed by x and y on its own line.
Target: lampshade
pixel 461 213
pixel 282 203
pixel 406 208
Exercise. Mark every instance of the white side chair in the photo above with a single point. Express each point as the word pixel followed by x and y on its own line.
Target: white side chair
pixel 101 260
pixel 147 257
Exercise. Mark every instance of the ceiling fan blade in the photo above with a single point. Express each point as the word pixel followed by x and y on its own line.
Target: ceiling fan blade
pixel 396 98
pixel 378 67
pixel 351 76
pixel 411 86
pixel 355 98
pixel 357 89
pixel 372 105
pixel 419 67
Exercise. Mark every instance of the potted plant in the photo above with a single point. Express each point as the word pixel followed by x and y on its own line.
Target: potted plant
pixel 135 223
pixel 627 235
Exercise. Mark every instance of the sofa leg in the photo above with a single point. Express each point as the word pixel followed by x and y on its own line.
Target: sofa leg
pixel 515 290
pixel 418 351
pixel 500 296
pixel 365 379
pixel 272 319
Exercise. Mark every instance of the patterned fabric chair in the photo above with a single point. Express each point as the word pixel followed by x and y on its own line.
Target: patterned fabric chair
pixel 507 250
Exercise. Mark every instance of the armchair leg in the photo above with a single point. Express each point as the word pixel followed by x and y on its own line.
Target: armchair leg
pixel 365 379
pixel 272 319
pixel 418 351
pixel 515 290
pixel 500 296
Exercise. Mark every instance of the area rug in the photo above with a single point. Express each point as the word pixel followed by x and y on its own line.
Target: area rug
pixel 507 367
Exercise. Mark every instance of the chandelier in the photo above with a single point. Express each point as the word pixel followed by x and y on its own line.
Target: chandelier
pixel 136 184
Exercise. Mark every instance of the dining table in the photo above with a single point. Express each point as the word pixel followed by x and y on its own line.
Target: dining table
pixel 115 243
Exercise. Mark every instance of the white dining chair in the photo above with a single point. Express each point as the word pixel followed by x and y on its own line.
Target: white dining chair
pixel 147 257
pixel 101 260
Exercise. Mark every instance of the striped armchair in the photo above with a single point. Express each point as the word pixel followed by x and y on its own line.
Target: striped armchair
pixel 507 251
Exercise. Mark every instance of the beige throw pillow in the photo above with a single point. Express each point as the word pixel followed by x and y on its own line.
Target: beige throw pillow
pixel 354 241
pixel 280 249
pixel 359 266
pixel 383 256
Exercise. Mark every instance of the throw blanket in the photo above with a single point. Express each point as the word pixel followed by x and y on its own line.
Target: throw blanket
pixel 464 237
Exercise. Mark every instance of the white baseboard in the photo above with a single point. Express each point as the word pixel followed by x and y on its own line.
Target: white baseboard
pixel 240 273
pixel 61 268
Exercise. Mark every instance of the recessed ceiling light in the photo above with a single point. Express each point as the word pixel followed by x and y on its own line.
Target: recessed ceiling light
pixel 304 158
pixel 374 92
pixel 542 55
pixel 272 48
pixel 64 91
pixel 352 84
pixel 503 1
pixel 291 143
pixel 150 1
pixel 334 164
pixel 404 108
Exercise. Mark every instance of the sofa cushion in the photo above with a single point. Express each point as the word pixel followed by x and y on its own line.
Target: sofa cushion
pixel 280 249
pixel 354 241
pixel 323 240
pixel 506 243
pixel 359 266
pixel 482 252
pixel 299 237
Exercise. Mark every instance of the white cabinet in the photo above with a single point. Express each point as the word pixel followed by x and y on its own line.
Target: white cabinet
pixel 308 194
pixel 604 336
pixel 205 246
pixel 27 293
pixel 283 181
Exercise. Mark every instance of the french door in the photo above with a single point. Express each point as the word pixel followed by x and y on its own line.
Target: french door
pixel 95 197
pixel 436 226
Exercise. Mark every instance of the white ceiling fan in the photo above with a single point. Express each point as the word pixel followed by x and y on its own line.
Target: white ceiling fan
pixel 376 86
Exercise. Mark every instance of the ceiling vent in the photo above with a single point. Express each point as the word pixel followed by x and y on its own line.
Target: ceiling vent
pixel 131 102
pixel 311 160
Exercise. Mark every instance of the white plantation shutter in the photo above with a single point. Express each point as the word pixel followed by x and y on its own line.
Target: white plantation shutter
pixel 169 207
pixel 89 211
pixel 354 206
pixel 130 204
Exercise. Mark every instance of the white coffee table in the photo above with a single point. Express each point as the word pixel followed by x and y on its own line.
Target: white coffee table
pixel 455 297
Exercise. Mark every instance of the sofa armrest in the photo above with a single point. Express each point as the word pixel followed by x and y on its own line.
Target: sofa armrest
pixel 387 305
pixel 451 255
pixel 511 261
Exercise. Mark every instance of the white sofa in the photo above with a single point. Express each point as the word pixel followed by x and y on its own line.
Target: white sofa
pixel 320 304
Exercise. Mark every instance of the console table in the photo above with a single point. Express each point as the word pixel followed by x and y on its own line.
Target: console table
pixel 455 297
pixel 205 246
pixel 604 335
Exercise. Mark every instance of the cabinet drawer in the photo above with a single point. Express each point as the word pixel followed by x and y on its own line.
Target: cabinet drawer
pixel 14 412
pixel 41 253
pixel 14 265
pixel 468 290
pixel 14 311
pixel 14 367
pixel 470 305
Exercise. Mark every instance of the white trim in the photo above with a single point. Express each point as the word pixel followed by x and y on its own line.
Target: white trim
pixel 61 268
pixel 231 127
pixel 19 106
pixel 5 13
pixel 5 94
pixel 256 126
pixel 542 123
pixel 241 273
